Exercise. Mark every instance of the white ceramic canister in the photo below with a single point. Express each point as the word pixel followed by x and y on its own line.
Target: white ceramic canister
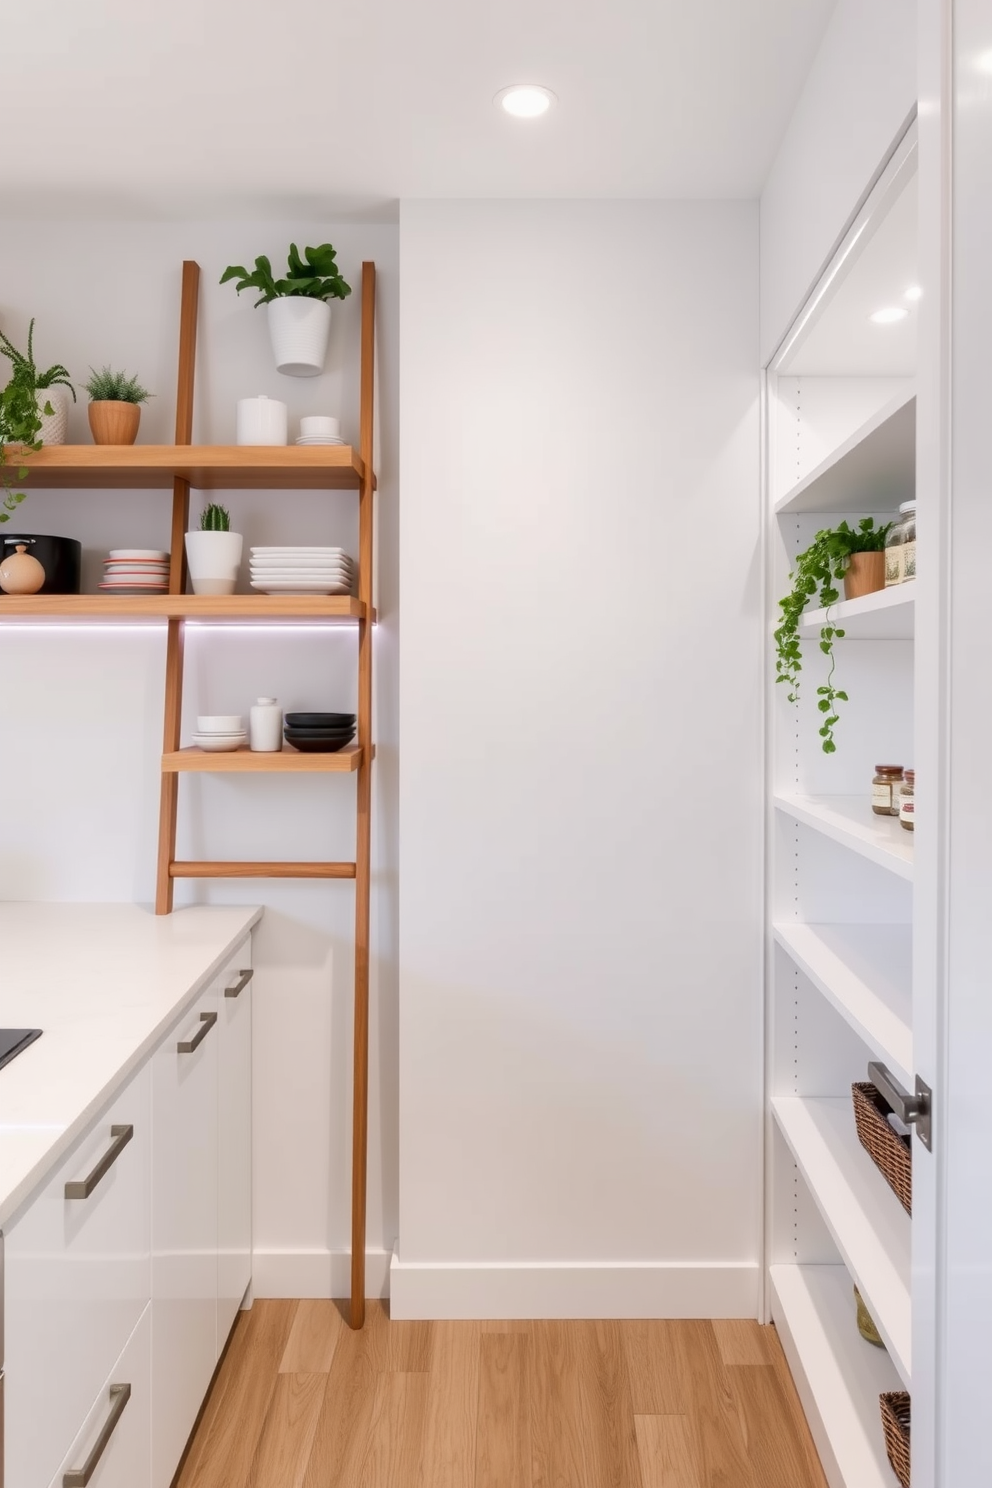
pixel 265 726
pixel 262 421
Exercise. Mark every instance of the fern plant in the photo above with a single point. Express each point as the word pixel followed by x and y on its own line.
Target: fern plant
pixel 316 276
pixel 20 414
pixel 820 568
pixel 25 370
pixel 107 386
pixel 214 518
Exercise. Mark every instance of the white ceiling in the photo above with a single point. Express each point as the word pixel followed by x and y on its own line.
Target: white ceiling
pixel 147 109
pixel 843 340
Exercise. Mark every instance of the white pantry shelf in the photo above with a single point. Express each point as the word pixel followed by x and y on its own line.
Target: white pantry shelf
pixel 850 821
pixel 838 1375
pixel 886 615
pixel 874 470
pixel 866 973
pixel 867 1222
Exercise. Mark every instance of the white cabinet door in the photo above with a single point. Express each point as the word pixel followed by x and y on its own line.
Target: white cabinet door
pixel 184 1228
pixel 234 1142
pixel 77 1281
pixel 113 1449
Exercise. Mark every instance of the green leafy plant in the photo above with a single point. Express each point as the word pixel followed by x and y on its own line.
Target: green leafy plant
pixel 20 413
pixel 819 570
pixel 315 276
pixel 107 386
pixel 215 518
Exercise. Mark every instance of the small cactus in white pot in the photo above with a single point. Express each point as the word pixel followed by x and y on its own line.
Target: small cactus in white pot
pixel 213 552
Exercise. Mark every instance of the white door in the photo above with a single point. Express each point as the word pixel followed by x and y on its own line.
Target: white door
pixel 184 1228
pixel 234 1142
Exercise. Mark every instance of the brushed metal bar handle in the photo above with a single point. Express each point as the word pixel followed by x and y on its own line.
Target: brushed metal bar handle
pixel 913 1110
pixel 78 1477
pixel 239 985
pixel 207 1021
pixel 81 1188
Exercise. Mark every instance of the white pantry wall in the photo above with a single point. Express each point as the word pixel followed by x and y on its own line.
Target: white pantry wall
pixel 81 706
pixel 580 778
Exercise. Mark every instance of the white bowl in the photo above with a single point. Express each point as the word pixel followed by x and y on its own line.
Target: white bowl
pixel 219 743
pixel 220 723
pixel 315 424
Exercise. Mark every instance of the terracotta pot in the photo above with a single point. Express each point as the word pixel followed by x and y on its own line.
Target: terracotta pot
pixel 114 423
pixel 865 574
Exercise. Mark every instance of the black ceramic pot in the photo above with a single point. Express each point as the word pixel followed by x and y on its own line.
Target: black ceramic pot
pixel 60 557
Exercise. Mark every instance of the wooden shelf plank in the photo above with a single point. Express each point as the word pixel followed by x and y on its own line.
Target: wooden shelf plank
pixel 240 761
pixel 237 869
pixel 207 467
pixel 850 821
pixel 886 615
pixel 867 1222
pixel 839 1376
pixel 874 470
pixel 332 607
pixel 866 973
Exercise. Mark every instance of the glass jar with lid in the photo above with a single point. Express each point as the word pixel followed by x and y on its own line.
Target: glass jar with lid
pixel 885 790
pixel 907 801
pixel 907 512
pixel 893 554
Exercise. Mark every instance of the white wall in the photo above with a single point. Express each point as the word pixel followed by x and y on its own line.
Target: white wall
pixel 580 819
pixel 81 707
pixel 860 91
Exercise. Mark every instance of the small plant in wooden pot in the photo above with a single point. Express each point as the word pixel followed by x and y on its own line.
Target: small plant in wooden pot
pixel 47 389
pixel 214 552
pixel 833 555
pixel 299 305
pixel 115 406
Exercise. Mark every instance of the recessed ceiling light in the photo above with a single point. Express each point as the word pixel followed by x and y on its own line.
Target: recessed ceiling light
pixel 889 315
pixel 914 292
pixel 525 100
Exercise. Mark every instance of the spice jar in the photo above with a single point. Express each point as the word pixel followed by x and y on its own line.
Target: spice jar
pixel 907 801
pixel 885 790
pixel 908 513
pixel 894 554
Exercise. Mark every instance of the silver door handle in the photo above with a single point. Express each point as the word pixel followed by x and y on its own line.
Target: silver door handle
pixel 911 1109
pixel 186 1046
pixel 81 1188
pixel 78 1477
pixel 240 985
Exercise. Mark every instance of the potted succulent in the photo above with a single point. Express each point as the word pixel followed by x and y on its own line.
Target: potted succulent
pixel 53 406
pixel 115 406
pixel 214 552
pixel 834 554
pixel 299 305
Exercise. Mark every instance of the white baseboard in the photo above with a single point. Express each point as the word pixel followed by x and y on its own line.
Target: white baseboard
pixel 573 1290
pixel 316 1273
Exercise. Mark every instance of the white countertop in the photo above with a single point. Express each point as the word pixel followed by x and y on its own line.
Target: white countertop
pixel 103 981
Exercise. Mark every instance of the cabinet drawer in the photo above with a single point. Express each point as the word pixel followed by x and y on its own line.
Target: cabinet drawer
pixel 78 1277
pixel 117 1431
pixel 234 1141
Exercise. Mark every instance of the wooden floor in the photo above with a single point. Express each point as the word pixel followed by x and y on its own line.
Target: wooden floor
pixel 301 1401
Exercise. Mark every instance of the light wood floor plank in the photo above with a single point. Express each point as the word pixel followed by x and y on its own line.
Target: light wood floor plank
pixel 611 1457
pixel 283 1449
pixel 221 1452
pixel 503 1450
pixel 452 1406
pixel 741 1341
pixel 409 1347
pixel 666 1446
pixel 341 1440
pixel 555 1416
pixel 396 1436
pixel 815 1476
pixel 778 1457
pixel 712 1408
pixel 313 1338
pixel 656 1381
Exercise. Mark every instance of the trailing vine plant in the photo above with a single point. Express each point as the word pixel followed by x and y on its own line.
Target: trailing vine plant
pixel 20 414
pixel 818 571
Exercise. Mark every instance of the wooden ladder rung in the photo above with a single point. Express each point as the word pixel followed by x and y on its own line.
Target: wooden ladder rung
pixel 217 869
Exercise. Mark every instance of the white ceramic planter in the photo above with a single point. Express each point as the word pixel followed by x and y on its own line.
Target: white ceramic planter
pixel 262 421
pixel 214 559
pixel 54 424
pixel 299 328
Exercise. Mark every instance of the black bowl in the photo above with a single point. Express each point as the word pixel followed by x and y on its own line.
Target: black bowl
pixel 338 728
pixel 318 746
pixel 319 720
pixel 335 733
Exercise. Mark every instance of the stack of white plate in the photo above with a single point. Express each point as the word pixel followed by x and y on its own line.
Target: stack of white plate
pixel 220 733
pixel 301 571
pixel 136 571
pixel 318 439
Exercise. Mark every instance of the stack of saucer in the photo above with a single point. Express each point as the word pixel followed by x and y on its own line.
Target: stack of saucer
pixel 136 571
pixel 319 733
pixel 301 571
pixel 219 732
pixel 320 429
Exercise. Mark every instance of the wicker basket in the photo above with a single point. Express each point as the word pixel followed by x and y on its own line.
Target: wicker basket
pixel 895 1424
pixel 890 1153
